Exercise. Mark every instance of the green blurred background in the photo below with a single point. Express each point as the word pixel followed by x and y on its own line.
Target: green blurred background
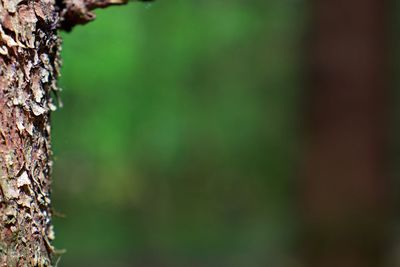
pixel 177 142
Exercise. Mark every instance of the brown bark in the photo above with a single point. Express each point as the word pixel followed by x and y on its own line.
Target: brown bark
pixel 29 67
pixel 345 187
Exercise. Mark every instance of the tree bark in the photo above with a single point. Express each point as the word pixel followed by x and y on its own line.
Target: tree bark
pixel 29 67
pixel 345 190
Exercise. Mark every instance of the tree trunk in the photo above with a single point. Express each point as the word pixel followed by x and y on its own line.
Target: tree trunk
pixel 344 193
pixel 29 67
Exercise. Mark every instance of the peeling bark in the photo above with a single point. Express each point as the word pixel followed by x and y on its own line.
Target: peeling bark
pixel 29 67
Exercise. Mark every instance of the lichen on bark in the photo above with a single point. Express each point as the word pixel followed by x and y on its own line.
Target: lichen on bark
pixel 29 67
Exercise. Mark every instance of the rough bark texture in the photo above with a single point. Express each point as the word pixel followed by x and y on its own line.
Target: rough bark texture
pixel 345 201
pixel 28 71
pixel 29 67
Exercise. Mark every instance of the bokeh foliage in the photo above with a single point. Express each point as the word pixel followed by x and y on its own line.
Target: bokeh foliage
pixel 177 139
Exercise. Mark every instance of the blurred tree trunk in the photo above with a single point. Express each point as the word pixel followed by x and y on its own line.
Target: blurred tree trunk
pixel 29 67
pixel 344 191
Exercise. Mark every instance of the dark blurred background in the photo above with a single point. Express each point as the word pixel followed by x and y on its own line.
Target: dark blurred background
pixel 188 127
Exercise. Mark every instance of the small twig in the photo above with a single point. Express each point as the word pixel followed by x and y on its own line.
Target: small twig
pixel 79 12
